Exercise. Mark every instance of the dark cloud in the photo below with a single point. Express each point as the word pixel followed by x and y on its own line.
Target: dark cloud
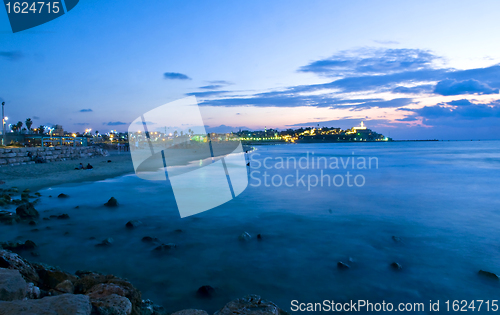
pixel 175 76
pixel 206 93
pixel 420 89
pixel 462 102
pixel 211 87
pixel 460 110
pixel 115 123
pixel 471 86
pixel 11 55
pixel 372 61
pixel 85 110
pixel 35 117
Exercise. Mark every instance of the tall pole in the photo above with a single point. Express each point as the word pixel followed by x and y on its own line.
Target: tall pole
pixel 3 123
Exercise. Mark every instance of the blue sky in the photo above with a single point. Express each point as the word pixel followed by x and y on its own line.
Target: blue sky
pixel 411 70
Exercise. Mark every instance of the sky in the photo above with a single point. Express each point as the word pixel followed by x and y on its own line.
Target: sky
pixel 409 69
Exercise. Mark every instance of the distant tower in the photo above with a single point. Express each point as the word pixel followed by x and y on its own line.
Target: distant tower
pixel 362 124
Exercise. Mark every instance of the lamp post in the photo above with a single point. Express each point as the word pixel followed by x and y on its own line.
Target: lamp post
pixel 3 123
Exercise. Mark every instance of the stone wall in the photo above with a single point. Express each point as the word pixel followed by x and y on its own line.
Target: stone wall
pixel 18 156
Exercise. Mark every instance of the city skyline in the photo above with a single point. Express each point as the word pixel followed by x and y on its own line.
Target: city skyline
pixel 413 70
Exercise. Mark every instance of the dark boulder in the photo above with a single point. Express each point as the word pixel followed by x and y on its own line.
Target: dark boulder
pixel 488 274
pixel 61 195
pixel 63 216
pixel 27 211
pixel 205 291
pixel 165 247
pixel 106 242
pixel 112 202
pixel 396 266
pixel 133 223
pixel 343 266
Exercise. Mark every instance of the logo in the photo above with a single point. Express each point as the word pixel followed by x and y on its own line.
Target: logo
pixel 170 143
pixel 27 14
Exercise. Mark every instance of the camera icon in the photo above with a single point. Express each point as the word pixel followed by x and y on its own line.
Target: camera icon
pixel 170 143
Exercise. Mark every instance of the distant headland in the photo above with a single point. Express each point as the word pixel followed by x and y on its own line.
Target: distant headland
pixel 313 134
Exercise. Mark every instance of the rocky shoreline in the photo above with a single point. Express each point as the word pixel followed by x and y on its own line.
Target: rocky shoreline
pixel 34 288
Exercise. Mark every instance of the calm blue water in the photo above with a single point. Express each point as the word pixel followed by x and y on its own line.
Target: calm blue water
pixel 440 198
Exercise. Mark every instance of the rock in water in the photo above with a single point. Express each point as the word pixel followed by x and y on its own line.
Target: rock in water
pixel 205 291
pixel 133 223
pixel 112 202
pixel 8 217
pixel 149 239
pixel 27 211
pixel 106 242
pixel 488 274
pixel 12 285
pixel 396 266
pixel 18 245
pixel 65 304
pixel 342 265
pixel 62 196
pixel 245 236
pixel 396 239
pixel 63 216
pixel 165 247
pixel 250 305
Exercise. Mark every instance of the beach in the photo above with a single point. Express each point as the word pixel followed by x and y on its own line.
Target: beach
pixel 38 176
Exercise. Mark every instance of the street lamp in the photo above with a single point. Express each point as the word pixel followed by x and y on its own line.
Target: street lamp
pixel 3 123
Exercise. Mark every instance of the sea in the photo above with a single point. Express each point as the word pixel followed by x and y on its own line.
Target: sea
pixel 431 207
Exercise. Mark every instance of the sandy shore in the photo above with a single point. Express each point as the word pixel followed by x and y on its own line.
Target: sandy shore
pixel 38 176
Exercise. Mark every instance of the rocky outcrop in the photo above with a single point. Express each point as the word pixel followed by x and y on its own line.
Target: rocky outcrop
pixel 112 202
pixel 66 304
pixel 30 288
pixel 27 211
pixel 15 262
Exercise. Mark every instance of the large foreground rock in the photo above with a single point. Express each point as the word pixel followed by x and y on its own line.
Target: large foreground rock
pixel 12 285
pixel 66 304
pixel 112 304
pixel 250 305
pixel 11 260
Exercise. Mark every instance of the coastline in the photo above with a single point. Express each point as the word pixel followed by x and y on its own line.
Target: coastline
pixel 38 176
